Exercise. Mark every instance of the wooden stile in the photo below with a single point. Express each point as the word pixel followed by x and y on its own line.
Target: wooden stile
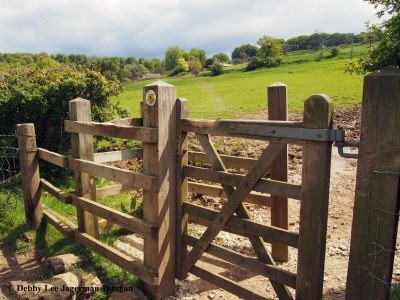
pixel 82 148
pixel 278 110
pixel 159 208
pixel 318 113
pixel 30 174
pixel 54 158
pixel 377 197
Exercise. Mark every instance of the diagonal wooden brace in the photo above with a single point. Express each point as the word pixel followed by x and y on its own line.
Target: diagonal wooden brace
pixel 258 245
pixel 234 202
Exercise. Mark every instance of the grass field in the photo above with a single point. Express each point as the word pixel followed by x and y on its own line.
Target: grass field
pixel 242 94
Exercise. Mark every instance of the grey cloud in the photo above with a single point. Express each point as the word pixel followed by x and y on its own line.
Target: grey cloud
pixel 147 28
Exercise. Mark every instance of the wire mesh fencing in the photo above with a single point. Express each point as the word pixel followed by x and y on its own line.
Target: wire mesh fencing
pixel 380 250
pixel 9 161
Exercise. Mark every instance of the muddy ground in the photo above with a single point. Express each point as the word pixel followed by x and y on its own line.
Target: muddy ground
pixel 343 174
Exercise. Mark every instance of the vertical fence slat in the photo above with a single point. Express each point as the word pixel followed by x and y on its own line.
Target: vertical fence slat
pixel 181 187
pixel 318 113
pixel 29 166
pixel 82 148
pixel 160 207
pixel 278 110
pixel 377 198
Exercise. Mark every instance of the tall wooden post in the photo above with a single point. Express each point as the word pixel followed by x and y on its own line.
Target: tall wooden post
pixel 181 186
pixel 159 159
pixel 318 113
pixel 82 148
pixel 29 165
pixel 377 197
pixel 278 110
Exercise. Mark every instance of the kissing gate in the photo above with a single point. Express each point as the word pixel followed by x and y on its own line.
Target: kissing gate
pixel 169 250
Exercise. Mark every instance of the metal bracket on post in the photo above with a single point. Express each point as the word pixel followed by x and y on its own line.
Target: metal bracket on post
pixel 340 143
pixel 306 134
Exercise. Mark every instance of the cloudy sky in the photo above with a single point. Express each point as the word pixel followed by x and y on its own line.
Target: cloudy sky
pixel 147 27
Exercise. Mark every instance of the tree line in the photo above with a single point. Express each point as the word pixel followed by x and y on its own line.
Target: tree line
pixel 267 52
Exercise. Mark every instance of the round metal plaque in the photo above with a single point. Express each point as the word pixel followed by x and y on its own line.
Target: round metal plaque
pixel 151 98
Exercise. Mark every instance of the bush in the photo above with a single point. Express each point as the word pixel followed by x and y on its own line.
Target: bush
pixel 258 63
pixel 177 70
pixel 40 96
pixel 254 64
pixel 334 51
pixel 216 69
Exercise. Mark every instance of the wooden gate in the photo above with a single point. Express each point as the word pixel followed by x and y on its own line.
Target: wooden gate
pixel 313 194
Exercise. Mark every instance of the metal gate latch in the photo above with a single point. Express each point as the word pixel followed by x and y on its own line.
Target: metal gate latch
pixel 340 143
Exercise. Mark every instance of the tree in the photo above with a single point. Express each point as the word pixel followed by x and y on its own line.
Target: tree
pixel 198 54
pixel 387 51
pixel 172 56
pixel 221 57
pixel 195 66
pixel 269 48
pixel 246 51
pixel 216 69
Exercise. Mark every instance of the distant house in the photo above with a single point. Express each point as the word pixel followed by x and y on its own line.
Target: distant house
pixel 152 76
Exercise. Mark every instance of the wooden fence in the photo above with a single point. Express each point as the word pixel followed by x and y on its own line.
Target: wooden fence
pixel 163 130
pixel 168 169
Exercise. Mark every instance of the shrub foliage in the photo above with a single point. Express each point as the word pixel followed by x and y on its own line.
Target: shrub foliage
pixel 40 96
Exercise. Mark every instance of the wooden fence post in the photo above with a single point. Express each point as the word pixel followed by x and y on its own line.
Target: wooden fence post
pixel 159 159
pixel 29 165
pixel 181 186
pixel 377 197
pixel 278 110
pixel 318 113
pixel 82 148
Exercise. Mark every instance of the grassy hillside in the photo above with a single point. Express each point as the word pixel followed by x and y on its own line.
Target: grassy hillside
pixel 241 94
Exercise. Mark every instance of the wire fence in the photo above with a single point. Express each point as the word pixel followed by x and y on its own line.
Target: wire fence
pixel 9 161
pixel 381 251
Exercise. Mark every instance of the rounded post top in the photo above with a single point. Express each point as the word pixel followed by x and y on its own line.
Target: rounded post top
pixel 159 83
pixel 386 71
pixel 277 84
pixel 79 99
pixel 318 111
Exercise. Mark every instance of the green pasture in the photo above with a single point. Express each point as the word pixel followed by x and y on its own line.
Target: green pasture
pixel 242 94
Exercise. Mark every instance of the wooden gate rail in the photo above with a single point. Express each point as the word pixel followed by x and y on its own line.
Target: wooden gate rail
pixel 269 186
pixel 144 134
pixel 71 231
pixel 252 264
pixel 244 227
pixel 222 128
pixel 134 179
pixel 215 191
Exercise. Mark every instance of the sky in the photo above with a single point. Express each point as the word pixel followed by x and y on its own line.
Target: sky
pixel 147 28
